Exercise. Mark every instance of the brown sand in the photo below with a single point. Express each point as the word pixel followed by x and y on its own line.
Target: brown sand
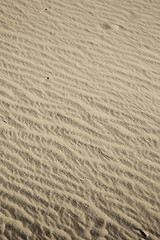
pixel 80 120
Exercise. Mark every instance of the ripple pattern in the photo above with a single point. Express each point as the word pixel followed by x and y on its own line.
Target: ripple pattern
pixel 80 120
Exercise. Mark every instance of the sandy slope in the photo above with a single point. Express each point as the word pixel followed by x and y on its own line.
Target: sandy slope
pixel 80 120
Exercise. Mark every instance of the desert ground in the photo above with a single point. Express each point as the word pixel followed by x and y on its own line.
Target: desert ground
pixel 80 120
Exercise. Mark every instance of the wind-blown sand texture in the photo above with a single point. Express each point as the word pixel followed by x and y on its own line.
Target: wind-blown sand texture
pixel 80 120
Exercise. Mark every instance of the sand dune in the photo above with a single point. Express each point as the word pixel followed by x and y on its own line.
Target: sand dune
pixel 80 120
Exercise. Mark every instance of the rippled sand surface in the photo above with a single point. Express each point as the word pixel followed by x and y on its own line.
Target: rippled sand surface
pixel 80 120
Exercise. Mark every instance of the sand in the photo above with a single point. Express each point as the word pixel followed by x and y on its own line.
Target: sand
pixel 80 120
